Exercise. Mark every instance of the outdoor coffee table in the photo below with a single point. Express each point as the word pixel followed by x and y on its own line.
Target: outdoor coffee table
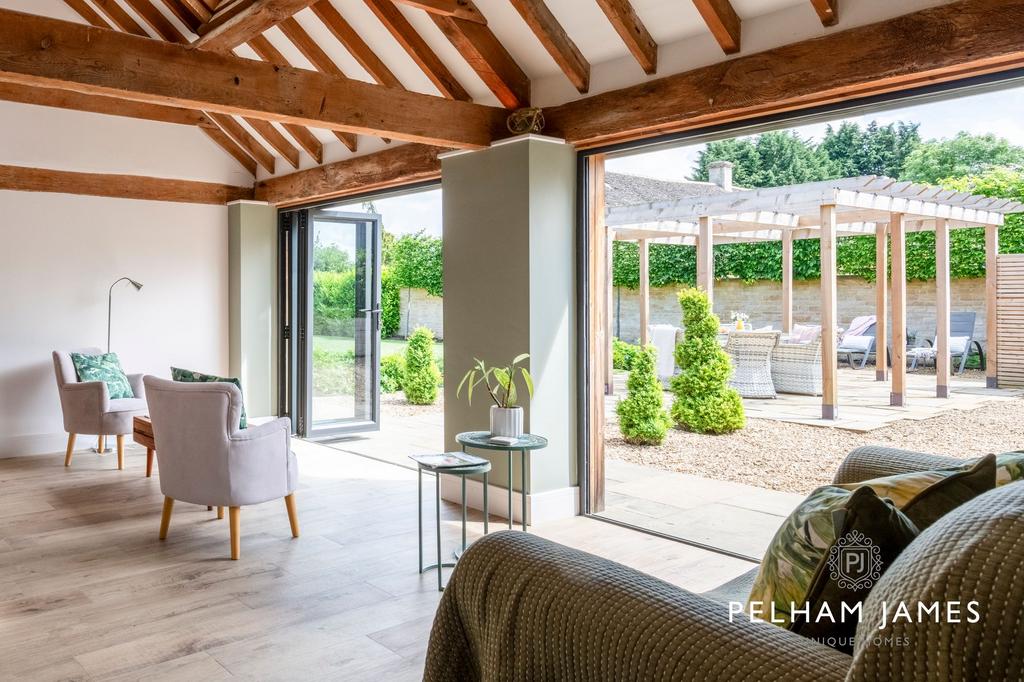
pixel 525 443
pixel 432 464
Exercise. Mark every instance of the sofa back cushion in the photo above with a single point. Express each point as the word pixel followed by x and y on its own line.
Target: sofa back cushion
pixel 968 563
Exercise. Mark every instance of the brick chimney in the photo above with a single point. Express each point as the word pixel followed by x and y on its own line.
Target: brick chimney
pixel 720 173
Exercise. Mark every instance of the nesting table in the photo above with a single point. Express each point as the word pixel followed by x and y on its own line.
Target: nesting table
pixel 482 440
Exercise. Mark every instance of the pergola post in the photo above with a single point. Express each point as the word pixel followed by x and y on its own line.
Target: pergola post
pixel 706 259
pixel 787 281
pixel 829 368
pixel 942 308
pixel 881 301
pixel 645 291
pixel 898 235
pixel 991 326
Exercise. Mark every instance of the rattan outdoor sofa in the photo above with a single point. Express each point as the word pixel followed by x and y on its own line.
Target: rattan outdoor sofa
pixel 519 607
pixel 751 354
pixel 796 367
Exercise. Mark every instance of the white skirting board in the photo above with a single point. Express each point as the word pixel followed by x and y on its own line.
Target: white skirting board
pixel 40 444
pixel 547 506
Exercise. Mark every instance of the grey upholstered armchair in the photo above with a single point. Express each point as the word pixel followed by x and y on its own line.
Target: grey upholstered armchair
pixel 205 459
pixel 87 406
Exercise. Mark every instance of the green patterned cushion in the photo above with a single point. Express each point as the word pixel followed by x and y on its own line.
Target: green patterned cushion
pixel 1009 467
pixel 179 374
pixel 926 496
pixel 801 574
pixel 105 368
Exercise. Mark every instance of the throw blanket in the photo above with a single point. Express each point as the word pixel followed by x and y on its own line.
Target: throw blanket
pixel 519 607
pixel 860 325
pixel 663 337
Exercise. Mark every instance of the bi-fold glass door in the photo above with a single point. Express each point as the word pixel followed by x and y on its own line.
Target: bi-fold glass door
pixel 330 305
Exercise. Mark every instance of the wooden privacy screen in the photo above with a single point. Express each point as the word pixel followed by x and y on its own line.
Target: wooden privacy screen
pixel 1010 319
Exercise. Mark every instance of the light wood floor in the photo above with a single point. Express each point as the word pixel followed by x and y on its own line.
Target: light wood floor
pixel 87 591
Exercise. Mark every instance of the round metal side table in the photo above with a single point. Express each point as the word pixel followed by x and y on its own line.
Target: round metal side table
pixel 525 443
pixel 461 472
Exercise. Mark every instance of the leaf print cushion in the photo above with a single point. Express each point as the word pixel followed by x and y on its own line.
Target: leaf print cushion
pixel 800 576
pixel 178 374
pixel 105 368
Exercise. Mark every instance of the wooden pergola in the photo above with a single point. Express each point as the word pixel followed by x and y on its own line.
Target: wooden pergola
pixel 827 210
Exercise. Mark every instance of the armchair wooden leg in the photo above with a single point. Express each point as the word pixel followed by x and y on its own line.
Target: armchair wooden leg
pixel 120 451
pixel 149 462
pixel 165 519
pixel 236 542
pixel 293 516
pixel 71 449
pixel 101 443
pixel 220 512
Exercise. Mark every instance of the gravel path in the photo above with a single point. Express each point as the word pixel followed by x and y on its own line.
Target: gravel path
pixel 798 458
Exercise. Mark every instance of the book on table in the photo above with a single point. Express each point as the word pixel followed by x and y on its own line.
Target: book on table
pixel 448 460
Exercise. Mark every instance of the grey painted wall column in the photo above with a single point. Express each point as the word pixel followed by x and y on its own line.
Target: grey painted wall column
pixel 510 287
pixel 252 296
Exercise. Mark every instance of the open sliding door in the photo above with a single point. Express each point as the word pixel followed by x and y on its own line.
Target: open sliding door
pixel 331 335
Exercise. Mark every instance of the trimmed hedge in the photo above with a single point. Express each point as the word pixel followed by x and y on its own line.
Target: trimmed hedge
pixel 642 416
pixel 421 377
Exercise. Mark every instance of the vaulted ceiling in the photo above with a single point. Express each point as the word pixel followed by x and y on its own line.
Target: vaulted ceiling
pixel 504 54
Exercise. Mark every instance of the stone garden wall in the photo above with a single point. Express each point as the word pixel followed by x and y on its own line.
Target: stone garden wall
pixel 420 309
pixel 762 301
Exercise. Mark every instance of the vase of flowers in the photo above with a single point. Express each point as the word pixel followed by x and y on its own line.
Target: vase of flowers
pixel 506 416
pixel 740 319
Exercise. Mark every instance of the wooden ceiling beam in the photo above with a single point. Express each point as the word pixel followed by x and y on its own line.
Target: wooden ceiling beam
pixel 199 10
pixel 976 37
pixel 22 179
pixel 631 29
pixel 47 52
pixel 459 9
pixel 244 20
pixel 242 136
pixel 355 45
pixel 488 57
pixel 276 140
pixel 125 22
pixel 828 11
pixel 85 10
pixel 320 60
pixel 184 14
pixel 157 21
pixel 306 139
pixel 556 41
pixel 400 165
pixel 723 22
pixel 417 48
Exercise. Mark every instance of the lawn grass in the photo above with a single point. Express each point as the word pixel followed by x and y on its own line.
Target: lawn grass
pixel 387 346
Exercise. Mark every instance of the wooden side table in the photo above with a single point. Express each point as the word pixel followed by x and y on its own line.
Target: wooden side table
pixel 142 433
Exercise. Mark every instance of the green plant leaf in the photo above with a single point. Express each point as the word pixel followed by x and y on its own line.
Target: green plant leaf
pixel 520 358
pixel 528 380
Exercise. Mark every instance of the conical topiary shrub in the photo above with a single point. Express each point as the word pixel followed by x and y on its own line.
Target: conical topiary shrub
pixel 642 416
pixel 421 377
pixel 703 401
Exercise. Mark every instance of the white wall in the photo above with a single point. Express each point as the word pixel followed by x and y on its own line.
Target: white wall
pixel 59 253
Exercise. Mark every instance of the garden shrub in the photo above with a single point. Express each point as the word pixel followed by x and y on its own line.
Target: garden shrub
pixel 623 354
pixel 703 401
pixel 422 377
pixel 642 416
pixel 392 370
pixel 334 303
pixel 390 303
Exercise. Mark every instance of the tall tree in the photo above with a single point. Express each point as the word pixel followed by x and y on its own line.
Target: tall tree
pixel 768 160
pixel 962 155
pixel 875 150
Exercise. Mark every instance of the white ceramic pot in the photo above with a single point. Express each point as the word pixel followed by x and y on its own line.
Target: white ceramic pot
pixel 506 421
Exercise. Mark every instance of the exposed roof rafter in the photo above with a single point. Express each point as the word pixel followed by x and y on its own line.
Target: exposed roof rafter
pixel 828 11
pixel 723 22
pixel 631 29
pixel 556 41
pixel 243 20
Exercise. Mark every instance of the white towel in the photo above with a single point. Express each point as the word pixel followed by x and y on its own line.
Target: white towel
pixel 663 338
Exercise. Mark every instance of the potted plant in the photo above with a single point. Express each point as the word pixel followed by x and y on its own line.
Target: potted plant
pixel 500 382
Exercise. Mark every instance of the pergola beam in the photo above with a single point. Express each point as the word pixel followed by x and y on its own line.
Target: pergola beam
pixel 829 315
pixel 898 299
pixel 46 52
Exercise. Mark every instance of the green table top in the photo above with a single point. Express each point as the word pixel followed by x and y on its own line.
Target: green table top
pixel 482 440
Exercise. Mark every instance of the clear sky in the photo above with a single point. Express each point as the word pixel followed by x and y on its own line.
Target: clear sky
pixel 996 112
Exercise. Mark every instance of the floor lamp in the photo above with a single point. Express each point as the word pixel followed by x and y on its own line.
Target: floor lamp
pixel 110 302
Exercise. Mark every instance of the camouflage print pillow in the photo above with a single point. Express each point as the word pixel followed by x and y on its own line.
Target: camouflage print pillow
pixel 178 374
pixel 926 496
pixel 824 559
pixel 1009 467
pixel 105 368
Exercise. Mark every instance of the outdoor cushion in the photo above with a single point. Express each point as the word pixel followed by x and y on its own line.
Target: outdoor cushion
pixel 187 375
pixel 805 333
pixel 106 368
pixel 926 496
pixel 802 572
pixel 856 343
